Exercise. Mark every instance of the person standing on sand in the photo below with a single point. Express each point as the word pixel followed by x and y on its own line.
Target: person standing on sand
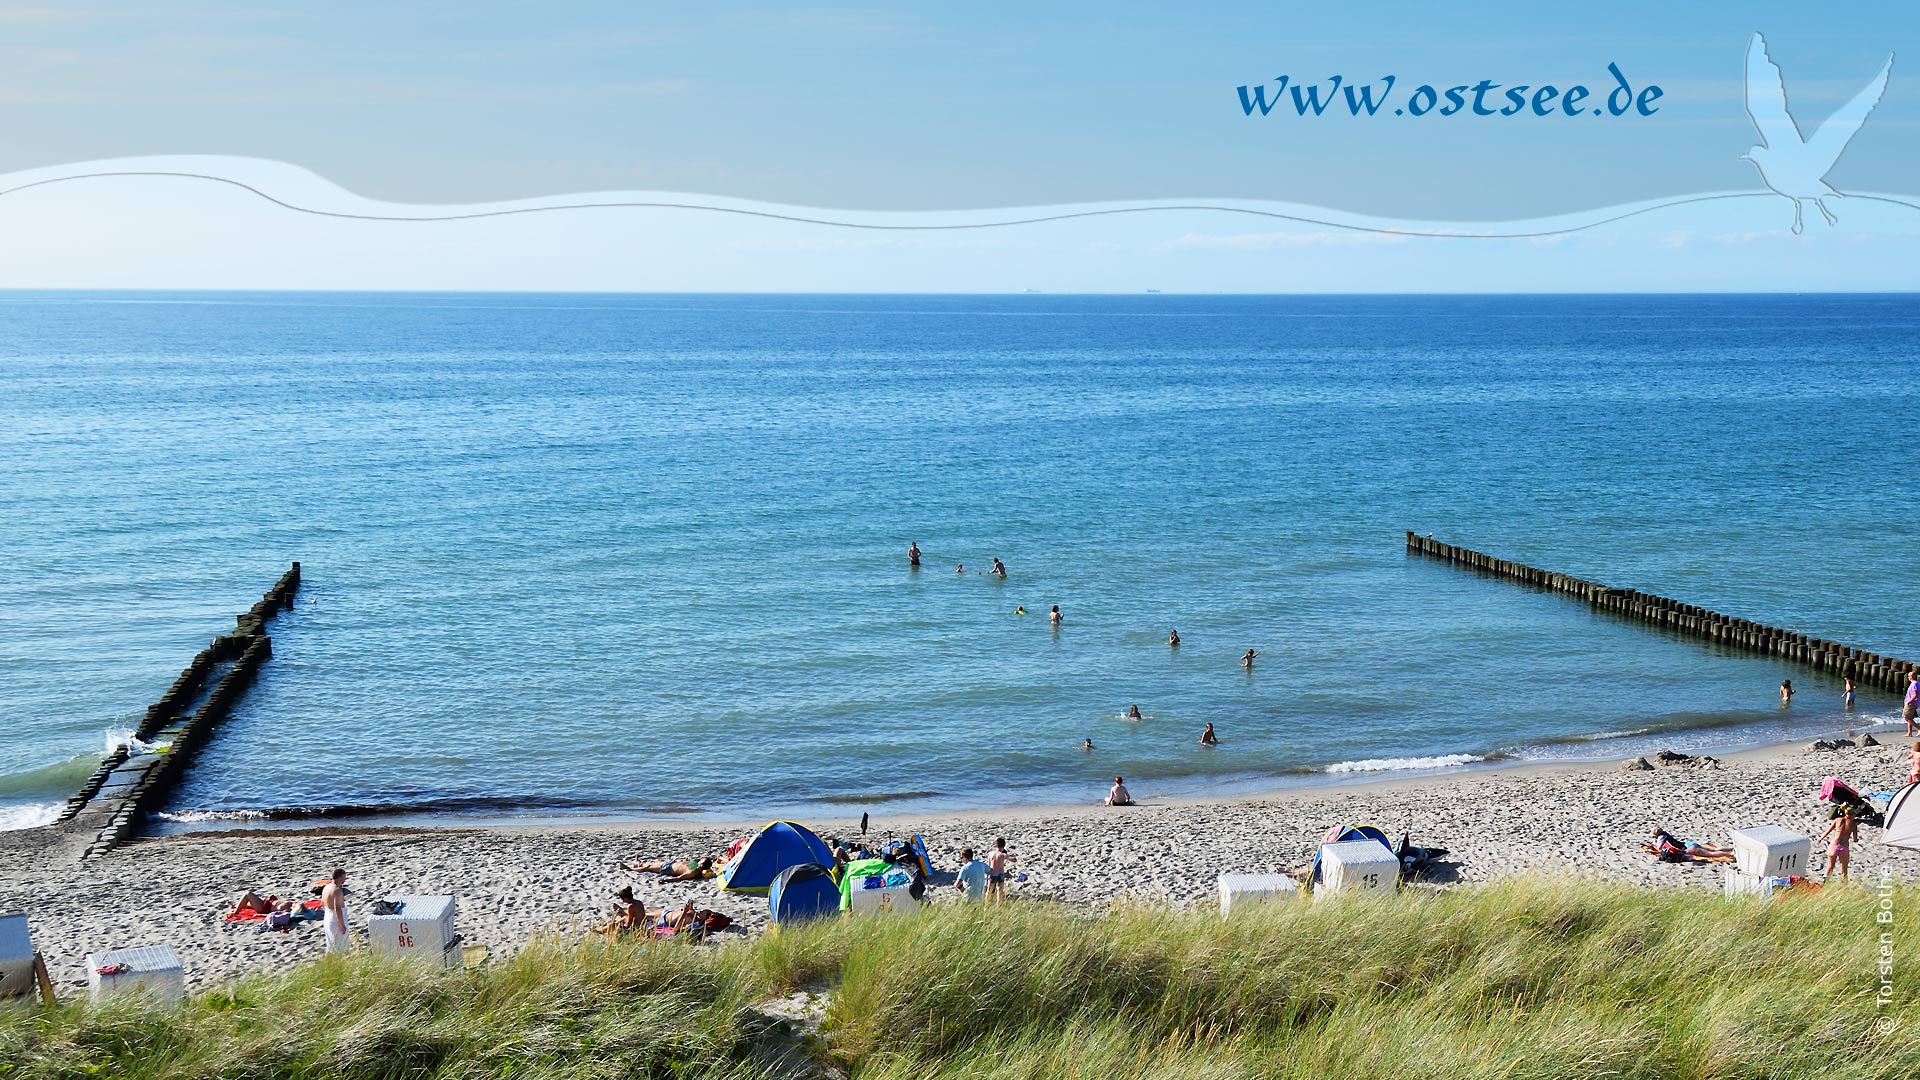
pixel 913 554
pixel 1843 829
pixel 971 878
pixel 1246 661
pixel 1118 795
pixel 1912 704
pixel 1173 638
pixel 1054 616
pixel 333 913
pixel 997 872
pixel 1208 738
pixel 1846 694
pixel 1786 691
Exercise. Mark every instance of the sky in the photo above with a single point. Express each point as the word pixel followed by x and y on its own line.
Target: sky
pixel 930 108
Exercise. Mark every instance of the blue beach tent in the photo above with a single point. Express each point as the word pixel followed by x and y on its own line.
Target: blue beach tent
pixel 802 892
pixel 778 846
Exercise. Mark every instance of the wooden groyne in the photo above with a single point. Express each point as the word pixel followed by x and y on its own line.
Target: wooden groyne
pixel 1863 667
pixel 129 785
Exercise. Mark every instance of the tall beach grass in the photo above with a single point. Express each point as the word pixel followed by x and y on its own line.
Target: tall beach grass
pixel 1528 978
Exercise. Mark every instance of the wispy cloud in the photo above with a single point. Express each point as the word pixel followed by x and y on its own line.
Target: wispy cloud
pixel 1267 241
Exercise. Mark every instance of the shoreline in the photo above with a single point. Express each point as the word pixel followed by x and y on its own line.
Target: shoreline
pixel 515 882
pixel 1306 784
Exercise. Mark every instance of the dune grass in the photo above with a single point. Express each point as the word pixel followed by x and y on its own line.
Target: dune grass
pixel 1529 978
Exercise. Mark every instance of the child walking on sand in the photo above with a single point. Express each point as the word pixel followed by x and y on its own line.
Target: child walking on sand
pixel 1843 829
pixel 1913 765
pixel 997 863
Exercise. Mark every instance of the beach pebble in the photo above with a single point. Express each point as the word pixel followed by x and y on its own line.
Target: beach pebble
pixel 1638 764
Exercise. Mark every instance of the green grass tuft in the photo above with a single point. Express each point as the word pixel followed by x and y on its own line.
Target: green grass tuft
pixel 1532 978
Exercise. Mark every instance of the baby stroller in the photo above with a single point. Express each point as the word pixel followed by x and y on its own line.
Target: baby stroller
pixel 1836 791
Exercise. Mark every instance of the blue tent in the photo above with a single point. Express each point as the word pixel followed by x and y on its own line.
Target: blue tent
pixel 803 892
pixel 779 845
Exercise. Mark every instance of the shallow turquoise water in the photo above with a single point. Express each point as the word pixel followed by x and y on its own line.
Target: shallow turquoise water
pixel 577 554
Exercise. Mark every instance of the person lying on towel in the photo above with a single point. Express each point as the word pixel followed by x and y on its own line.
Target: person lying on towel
pixel 1669 849
pixel 674 869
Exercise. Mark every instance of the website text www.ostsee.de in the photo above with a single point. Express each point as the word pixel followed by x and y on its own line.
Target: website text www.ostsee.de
pixel 1284 96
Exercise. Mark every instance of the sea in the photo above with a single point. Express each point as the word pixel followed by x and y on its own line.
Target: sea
pixel 637 556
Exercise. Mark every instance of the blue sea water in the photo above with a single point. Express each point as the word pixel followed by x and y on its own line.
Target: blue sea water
pixel 584 554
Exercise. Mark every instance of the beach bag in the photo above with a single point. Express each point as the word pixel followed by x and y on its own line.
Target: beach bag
pixel 715 921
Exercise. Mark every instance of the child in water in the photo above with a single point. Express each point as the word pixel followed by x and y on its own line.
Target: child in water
pixel 1786 691
pixel 1846 695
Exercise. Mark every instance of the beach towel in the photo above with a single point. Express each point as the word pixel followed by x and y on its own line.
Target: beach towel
pixel 310 906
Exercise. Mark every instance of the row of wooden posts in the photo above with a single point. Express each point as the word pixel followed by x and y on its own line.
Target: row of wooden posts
pixel 127 786
pixel 1863 667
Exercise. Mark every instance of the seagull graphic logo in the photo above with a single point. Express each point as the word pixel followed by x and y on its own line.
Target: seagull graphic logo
pixel 1789 164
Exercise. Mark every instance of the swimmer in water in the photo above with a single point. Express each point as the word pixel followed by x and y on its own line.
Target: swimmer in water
pixel 999 569
pixel 1054 615
pixel 1133 712
pixel 1246 661
pixel 1087 746
pixel 1207 737
pixel 913 554
pixel 1020 610
pixel 1173 639
pixel 959 568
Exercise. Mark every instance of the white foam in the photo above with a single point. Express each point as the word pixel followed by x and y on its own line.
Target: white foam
pixel 1400 764
pixel 119 737
pixel 27 816
pixel 195 817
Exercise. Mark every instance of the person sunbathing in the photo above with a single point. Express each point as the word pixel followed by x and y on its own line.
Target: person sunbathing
pixel 629 914
pixel 1670 849
pixel 253 902
pixel 674 869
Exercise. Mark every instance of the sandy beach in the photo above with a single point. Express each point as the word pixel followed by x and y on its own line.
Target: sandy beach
pixel 519 881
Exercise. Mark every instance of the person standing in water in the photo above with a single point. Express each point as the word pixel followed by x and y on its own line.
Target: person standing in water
pixel 1173 638
pixel 1207 737
pixel 1246 660
pixel 1786 691
pixel 999 569
pixel 913 554
pixel 1054 615
pixel 1087 746
pixel 1846 695
pixel 960 568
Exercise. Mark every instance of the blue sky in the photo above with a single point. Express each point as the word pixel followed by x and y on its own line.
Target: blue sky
pixel 938 107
